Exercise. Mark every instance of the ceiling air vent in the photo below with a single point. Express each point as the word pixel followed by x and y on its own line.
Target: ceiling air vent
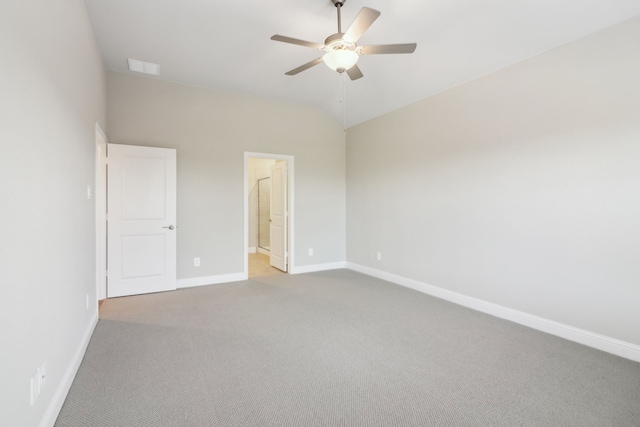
pixel 144 67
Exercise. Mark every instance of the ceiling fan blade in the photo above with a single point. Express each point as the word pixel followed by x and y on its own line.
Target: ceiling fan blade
pixel 354 72
pixel 387 48
pixel 304 67
pixel 305 43
pixel 363 21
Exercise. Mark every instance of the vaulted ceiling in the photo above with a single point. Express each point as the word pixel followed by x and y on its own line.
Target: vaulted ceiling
pixel 225 45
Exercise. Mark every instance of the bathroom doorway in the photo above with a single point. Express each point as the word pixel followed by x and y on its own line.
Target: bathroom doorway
pixel 268 214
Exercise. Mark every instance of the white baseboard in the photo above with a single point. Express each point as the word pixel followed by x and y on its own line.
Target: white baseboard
pixel 263 251
pixel 251 250
pixel 60 394
pixel 318 267
pixel 591 339
pixel 210 280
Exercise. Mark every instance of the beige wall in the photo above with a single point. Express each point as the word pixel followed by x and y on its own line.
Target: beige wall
pixel 521 188
pixel 52 93
pixel 211 131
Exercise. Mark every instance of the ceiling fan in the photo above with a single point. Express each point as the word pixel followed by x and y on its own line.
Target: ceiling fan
pixel 341 50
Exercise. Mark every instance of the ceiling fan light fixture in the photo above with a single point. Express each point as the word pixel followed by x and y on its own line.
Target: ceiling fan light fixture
pixel 340 60
pixel 341 50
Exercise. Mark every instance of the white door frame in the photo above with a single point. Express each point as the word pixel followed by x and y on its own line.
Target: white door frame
pixel 291 220
pixel 101 212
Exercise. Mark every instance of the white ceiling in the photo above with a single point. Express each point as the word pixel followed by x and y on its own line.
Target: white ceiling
pixel 225 45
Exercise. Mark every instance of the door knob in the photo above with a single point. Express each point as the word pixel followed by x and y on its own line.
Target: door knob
pixel 170 227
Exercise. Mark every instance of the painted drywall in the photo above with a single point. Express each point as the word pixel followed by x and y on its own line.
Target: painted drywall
pixel 211 131
pixel 53 92
pixel 521 188
pixel 257 169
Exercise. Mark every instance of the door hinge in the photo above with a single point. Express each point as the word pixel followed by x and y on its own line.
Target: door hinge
pixel 106 217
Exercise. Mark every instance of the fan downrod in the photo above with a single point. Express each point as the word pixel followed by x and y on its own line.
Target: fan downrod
pixel 338 4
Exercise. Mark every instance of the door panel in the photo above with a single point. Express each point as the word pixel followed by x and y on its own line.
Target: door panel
pixel 143 188
pixel 142 256
pixel 278 224
pixel 141 208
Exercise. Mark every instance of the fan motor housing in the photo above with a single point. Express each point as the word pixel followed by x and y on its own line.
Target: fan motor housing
pixel 336 41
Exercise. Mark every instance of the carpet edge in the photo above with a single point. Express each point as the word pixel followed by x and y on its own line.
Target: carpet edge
pixel 611 345
pixel 210 280
pixel 55 405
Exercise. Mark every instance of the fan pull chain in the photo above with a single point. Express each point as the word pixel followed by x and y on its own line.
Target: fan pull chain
pixel 343 101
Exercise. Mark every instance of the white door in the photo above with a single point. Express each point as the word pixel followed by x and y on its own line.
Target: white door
pixel 141 205
pixel 278 221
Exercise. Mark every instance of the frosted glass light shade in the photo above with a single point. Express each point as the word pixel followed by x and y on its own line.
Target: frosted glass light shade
pixel 340 60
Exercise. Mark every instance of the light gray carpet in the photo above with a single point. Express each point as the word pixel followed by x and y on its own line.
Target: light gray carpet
pixel 335 348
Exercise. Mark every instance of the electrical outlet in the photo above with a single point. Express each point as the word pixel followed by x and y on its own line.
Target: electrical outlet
pixel 38 379
pixel 43 373
pixel 88 192
pixel 35 387
pixel 196 262
pixel 87 301
pixel 379 256
pixel 310 251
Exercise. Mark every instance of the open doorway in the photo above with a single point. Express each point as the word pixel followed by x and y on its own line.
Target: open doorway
pixel 137 245
pixel 268 214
